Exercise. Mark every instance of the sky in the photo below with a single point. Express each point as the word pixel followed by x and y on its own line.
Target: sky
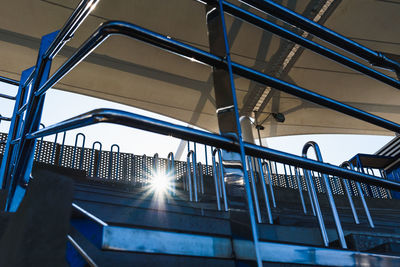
pixel 60 105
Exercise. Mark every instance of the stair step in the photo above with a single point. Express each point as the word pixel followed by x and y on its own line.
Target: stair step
pixel 155 219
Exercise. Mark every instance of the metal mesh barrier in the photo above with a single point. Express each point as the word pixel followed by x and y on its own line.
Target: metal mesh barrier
pixel 127 167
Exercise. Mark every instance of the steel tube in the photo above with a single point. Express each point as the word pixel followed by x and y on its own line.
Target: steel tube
pixel 271 186
pixel 313 46
pixel 328 192
pixel 264 189
pixel 171 172
pixel 201 181
pixel 215 140
pixel 347 164
pixel 317 208
pixel 215 175
pixel 133 31
pixel 82 150
pixel 9 81
pixel 92 158
pixel 222 181
pixel 65 34
pixel 299 187
pixel 347 191
pixel 254 190
pixel 8 97
pixel 289 16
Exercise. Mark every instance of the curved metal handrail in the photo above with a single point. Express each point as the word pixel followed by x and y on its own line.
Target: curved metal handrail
pixel 96 174
pixel 348 164
pixel 191 154
pixel 224 142
pixel 219 178
pixel 329 194
pixel 82 150
pixel 110 162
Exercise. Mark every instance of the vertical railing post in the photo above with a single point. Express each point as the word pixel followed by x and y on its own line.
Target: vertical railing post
pixel 192 182
pixel 40 144
pixel 93 161
pixel 171 172
pixel 110 162
pixel 143 179
pixel 82 150
pixel 62 150
pixel 216 179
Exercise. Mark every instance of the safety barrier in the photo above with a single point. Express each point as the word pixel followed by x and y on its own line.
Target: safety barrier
pixel 20 149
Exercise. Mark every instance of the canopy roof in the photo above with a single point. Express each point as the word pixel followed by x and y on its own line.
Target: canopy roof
pixel 130 72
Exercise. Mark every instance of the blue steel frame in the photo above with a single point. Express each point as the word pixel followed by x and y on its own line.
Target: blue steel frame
pixel 52 43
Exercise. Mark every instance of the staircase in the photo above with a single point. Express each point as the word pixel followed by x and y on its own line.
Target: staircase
pixel 115 224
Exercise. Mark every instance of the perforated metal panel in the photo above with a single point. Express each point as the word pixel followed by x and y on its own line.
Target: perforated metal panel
pixel 132 168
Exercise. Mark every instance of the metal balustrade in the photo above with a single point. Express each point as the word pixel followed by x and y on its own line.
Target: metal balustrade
pixel 20 149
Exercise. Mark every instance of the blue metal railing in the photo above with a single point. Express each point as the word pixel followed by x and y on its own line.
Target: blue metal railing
pixel 21 155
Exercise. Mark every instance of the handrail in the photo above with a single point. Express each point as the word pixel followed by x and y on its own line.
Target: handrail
pixel 67 31
pixel 110 162
pixel 264 189
pixel 219 179
pixel 82 150
pixel 283 13
pixel 92 158
pixel 271 188
pixel 313 46
pixel 9 81
pixel 328 192
pixel 171 172
pixel 182 132
pixel 8 97
pixel 123 28
pixel 191 154
pixel 348 164
pixel 4 118
pixel 251 168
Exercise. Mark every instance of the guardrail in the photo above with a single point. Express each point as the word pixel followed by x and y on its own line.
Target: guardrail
pixel 21 143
